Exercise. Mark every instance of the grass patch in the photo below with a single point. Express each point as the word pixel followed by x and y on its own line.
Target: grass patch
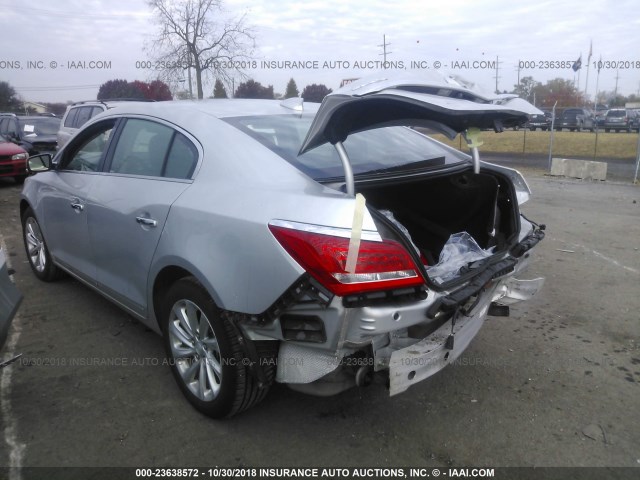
pixel 565 144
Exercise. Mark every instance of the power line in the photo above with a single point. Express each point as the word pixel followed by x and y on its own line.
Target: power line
pixel 53 13
pixel 56 88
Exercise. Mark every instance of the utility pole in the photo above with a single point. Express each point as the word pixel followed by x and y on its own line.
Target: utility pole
pixel 498 62
pixel 615 92
pixel 384 51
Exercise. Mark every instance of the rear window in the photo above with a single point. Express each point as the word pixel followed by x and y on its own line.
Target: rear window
pixel 372 150
pixel 36 126
pixel 616 113
pixel 571 113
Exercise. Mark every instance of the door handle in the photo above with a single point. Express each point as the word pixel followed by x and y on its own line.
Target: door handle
pixel 78 207
pixel 149 222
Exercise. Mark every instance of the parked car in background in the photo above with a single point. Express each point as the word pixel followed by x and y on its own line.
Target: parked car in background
pixel 79 113
pixel 576 119
pixel 36 134
pixel 635 121
pixel 10 299
pixel 13 160
pixel 618 119
pixel 541 121
pixel 599 112
pixel 290 242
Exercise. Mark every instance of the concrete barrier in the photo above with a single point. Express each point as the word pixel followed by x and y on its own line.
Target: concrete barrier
pixel 585 169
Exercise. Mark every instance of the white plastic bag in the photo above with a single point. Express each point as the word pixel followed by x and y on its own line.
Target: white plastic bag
pixel 460 250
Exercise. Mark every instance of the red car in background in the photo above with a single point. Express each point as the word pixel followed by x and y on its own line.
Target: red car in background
pixel 13 160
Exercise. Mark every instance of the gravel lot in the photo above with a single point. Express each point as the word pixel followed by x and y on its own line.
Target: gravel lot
pixel 555 384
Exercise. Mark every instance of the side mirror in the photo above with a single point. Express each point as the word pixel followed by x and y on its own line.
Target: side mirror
pixel 39 163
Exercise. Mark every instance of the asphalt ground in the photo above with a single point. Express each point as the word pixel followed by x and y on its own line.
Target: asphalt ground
pixel 555 384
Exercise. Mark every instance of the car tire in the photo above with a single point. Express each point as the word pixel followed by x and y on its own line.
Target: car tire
pixel 36 248
pixel 606 130
pixel 20 179
pixel 206 354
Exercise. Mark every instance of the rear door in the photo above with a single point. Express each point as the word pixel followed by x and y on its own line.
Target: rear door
pixel 150 165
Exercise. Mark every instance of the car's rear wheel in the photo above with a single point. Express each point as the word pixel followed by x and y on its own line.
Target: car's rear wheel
pixel 206 353
pixel 36 248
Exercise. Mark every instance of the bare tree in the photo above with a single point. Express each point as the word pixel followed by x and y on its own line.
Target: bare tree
pixel 199 35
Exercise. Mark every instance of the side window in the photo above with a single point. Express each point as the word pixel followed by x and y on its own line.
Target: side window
pixel 142 148
pixel 84 113
pixel 95 111
pixel 182 158
pixel 85 155
pixel 13 128
pixel 4 123
pixel 69 121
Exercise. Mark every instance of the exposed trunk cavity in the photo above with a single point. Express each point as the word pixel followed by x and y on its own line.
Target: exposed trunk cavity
pixel 432 209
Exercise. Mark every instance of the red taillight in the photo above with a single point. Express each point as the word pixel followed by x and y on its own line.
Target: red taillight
pixel 381 265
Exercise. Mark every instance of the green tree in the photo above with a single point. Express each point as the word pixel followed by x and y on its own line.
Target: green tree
pixel 118 89
pixel 57 109
pixel 156 90
pixel 558 90
pixel 9 100
pixel 526 88
pixel 218 90
pixel 292 89
pixel 253 89
pixel 315 93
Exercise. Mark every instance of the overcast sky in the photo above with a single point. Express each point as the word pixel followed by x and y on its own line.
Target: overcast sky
pixel 45 44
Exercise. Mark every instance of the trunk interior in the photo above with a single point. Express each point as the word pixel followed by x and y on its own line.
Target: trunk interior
pixel 432 209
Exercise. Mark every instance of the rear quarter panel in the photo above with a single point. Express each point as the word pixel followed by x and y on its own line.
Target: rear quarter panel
pixel 218 228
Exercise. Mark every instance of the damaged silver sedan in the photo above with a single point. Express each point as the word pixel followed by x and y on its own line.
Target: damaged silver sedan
pixel 317 246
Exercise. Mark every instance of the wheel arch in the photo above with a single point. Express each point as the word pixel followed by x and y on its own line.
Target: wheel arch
pixel 24 205
pixel 164 279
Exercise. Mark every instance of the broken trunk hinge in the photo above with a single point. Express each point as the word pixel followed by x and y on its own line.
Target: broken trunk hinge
pixel 348 171
pixel 472 137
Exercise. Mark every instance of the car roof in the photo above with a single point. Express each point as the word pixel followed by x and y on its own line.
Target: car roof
pixel 219 108
pixel 201 118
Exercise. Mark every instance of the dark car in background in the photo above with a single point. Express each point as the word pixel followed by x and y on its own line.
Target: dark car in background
pixel 542 122
pixel 618 119
pixel 13 160
pixel 576 119
pixel 35 133
pixel 635 121
pixel 10 299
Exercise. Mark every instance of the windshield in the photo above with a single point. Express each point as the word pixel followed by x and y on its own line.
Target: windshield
pixel 371 150
pixel 39 126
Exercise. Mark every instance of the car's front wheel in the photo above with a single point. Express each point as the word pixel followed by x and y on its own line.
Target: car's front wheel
pixel 36 248
pixel 206 353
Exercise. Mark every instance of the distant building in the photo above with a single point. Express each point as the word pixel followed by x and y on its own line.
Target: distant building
pixel 32 107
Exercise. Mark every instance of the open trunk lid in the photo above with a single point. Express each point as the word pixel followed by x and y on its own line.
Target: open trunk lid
pixel 445 104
